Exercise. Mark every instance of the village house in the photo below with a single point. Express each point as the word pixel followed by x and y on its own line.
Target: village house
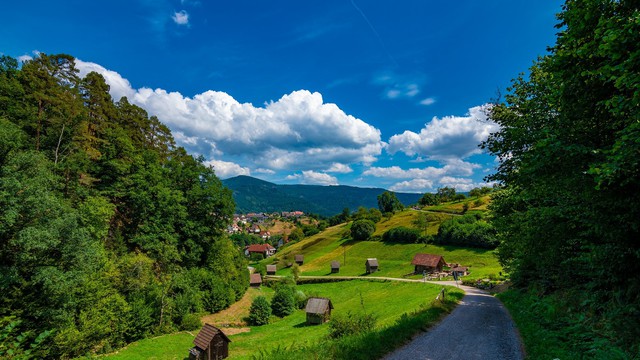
pixel 255 280
pixel 265 249
pixel 427 263
pixel 318 310
pixel 335 267
pixel 271 269
pixel 371 265
pixel 211 343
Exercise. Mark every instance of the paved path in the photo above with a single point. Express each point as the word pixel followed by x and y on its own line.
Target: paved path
pixel 479 328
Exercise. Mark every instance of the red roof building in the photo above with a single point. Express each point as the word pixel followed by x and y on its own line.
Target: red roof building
pixel 428 263
pixel 264 249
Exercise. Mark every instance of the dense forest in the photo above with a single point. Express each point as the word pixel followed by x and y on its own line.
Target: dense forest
pixel 109 232
pixel 568 216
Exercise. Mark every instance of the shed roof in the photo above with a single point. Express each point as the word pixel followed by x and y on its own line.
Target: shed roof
pixel 317 305
pixel 271 268
pixel 460 268
pixel 259 248
pixel 255 279
pixel 427 260
pixel 299 257
pixel 335 264
pixel 206 334
pixel 372 262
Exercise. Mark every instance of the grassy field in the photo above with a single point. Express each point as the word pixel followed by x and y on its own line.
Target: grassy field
pixel 387 300
pixel 394 259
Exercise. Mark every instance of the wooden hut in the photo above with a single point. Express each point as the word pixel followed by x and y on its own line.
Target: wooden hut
pixel 271 269
pixel 372 265
pixel 255 280
pixel 211 344
pixel 318 310
pixel 299 259
pixel 460 271
pixel 335 266
pixel 427 263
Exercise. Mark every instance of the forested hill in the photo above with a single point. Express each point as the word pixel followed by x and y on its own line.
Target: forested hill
pixel 109 232
pixel 255 195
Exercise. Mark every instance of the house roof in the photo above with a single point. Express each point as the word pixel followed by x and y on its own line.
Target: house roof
pixel 206 334
pixel 255 279
pixel 460 268
pixel 271 268
pixel 259 248
pixel 299 257
pixel 372 262
pixel 429 260
pixel 335 264
pixel 317 305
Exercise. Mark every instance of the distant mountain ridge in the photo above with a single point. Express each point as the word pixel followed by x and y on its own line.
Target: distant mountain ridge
pixel 255 195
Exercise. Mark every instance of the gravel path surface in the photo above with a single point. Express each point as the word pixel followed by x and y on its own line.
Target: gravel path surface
pixel 479 328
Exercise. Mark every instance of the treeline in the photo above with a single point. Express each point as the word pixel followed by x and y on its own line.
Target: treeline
pixel 568 216
pixel 109 232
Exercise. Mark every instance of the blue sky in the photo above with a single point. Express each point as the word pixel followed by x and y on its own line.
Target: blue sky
pixel 366 93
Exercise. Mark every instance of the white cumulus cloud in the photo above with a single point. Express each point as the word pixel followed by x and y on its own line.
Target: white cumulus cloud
pixel 225 169
pixel 297 132
pixel 311 177
pixel 450 137
pixel 428 101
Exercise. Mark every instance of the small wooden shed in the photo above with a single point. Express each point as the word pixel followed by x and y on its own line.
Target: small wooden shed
pixel 335 266
pixel 271 269
pixel 211 344
pixel 372 265
pixel 427 263
pixel 460 271
pixel 299 259
pixel 318 310
pixel 255 280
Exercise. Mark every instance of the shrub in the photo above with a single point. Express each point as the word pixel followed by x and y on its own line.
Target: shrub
pixel 401 235
pixel 283 302
pixel 255 257
pixel 350 324
pixel 260 311
pixel 362 229
pixel 467 230
pixel 190 322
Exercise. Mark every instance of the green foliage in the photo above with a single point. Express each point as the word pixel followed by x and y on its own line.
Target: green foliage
pixel 401 235
pixel 568 145
pixel 467 230
pixel 283 302
pixel 481 191
pixel 446 194
pixel 260 311
pixel 351 323
pixel 108 231
pixel 362 229
pixel 429 199
pixel 388 203
pixel 363 214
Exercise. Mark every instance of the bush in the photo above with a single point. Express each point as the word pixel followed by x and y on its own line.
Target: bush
pixel 401 235
pixel 362 229
pixel 467 230
pixel 255 257
pixel 260 311
pixel 190 322
pixel 350 324
pixel 283 302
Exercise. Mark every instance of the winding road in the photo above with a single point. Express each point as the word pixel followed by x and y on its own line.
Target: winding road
pixel 479 328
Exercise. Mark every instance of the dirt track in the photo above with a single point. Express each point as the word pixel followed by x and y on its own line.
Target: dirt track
pixel 479 328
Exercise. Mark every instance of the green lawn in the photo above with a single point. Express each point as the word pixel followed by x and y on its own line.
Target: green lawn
pixel 387 300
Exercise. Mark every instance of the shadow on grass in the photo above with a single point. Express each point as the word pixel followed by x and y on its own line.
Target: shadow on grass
pixel 304 325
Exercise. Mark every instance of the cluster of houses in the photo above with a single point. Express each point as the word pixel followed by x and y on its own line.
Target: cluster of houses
pixel 432 266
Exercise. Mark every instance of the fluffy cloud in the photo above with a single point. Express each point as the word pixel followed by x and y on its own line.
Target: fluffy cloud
pixel 181 17
pixel 451 137
pixel 225 169
pixel 415 186
pixel 299 131
pixel 314 178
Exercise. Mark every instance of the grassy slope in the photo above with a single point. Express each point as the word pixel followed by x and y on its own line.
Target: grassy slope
pixel 387 300
pixel 394 259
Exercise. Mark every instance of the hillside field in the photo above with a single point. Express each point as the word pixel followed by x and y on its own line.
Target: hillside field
pixel 394 259
pixel 387 300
